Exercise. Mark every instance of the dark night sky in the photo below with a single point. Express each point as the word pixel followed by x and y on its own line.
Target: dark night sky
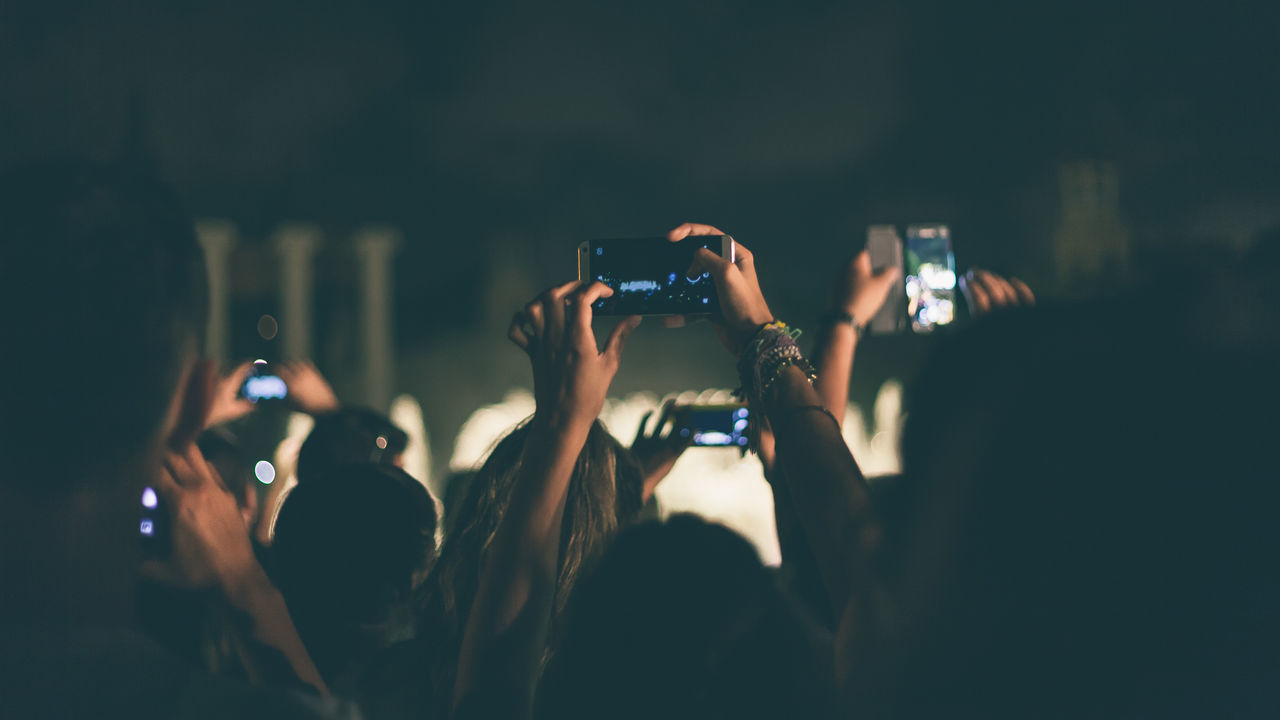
pixel 517 129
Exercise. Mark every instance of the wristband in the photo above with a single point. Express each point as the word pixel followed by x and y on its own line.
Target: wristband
pixel 836 317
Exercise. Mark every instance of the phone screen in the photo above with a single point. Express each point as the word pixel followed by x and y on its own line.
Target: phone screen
pixel 648 276
pixel 930 277
pixel 150 514
pixel 263 385
pixel 718 426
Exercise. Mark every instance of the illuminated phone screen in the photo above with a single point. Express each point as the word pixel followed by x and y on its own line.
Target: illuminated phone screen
pixel 715 426
pixel 262 384
pixel 648 276
pixel 265 387
pixel 930 277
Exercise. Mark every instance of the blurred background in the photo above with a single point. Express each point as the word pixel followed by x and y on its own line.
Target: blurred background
pixel 381 184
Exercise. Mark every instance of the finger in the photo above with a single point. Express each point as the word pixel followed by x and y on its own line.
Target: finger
pixel 644 424
pixel 216 476
pixel 197 466
pixel 882 282
pixel 1001 292
pixel 746 262
pixel 706 261
pixel 166 486
pixel 179 468
pixel 685 230
pixel 674 321
pixel 516 332
pixel 618 337
pixel 535 319
pixel 241 371
pixel 553 304
pixel 581 336
pixel 668 409
pixel 861 264
pixel 743 258
pixel 1025 296
pixel 979 301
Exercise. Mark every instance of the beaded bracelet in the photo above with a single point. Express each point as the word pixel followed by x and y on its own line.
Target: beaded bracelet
pixel 766 357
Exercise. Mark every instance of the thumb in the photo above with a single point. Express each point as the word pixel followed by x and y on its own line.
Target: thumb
pixel 706 261
pixel 644 424
pixel 618 337
pixel 884 278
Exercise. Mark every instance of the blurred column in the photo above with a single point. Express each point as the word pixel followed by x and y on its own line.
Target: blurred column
pixel 375 246
pixel 296 244
pixel 217 238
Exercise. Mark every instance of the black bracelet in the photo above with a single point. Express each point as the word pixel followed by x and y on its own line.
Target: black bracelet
pixel 836 317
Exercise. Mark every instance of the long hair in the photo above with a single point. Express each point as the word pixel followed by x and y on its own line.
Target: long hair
pixel 604 494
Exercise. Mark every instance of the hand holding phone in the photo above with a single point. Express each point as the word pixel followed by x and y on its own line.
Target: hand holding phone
pixel 862 291
pixel 742 306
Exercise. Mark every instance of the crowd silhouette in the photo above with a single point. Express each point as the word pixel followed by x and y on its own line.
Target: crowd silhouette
pixel 1083 525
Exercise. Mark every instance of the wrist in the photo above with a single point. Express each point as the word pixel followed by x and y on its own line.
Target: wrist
pixel 839 319
pixel 559 422
pixel 245 588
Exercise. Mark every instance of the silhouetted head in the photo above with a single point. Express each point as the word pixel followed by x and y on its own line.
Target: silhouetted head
pixel 680 619
pixel 350 435
pixel 604 493
pixel 351 545
pixel 1090 530
pixel 103 293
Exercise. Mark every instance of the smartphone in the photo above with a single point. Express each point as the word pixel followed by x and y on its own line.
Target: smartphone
pixel 713 425
pixel 149 522
pixel 884 245
pixel 648 275
pixel 262 384
pixel 930 272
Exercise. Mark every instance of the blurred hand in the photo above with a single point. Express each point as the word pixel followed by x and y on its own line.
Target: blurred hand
pixel 742 306
pixel 860 291
pixel 227 404
pixel 571 375
pixel 309 392
pixel 658 449
pixel 987 292
pixel 210 545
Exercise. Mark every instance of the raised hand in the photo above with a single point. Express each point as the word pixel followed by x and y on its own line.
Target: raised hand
pixel 227 404
pixel 987 292
pixel 309 392
pixel 658 449
pixel 210 545
pixel 742 306
pixel 571 374
pixel 860 291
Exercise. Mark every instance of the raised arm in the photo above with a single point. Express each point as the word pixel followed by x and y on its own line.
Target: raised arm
pixel 829 494
pixel 210 548
pixel 858 294
pixel 509 621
